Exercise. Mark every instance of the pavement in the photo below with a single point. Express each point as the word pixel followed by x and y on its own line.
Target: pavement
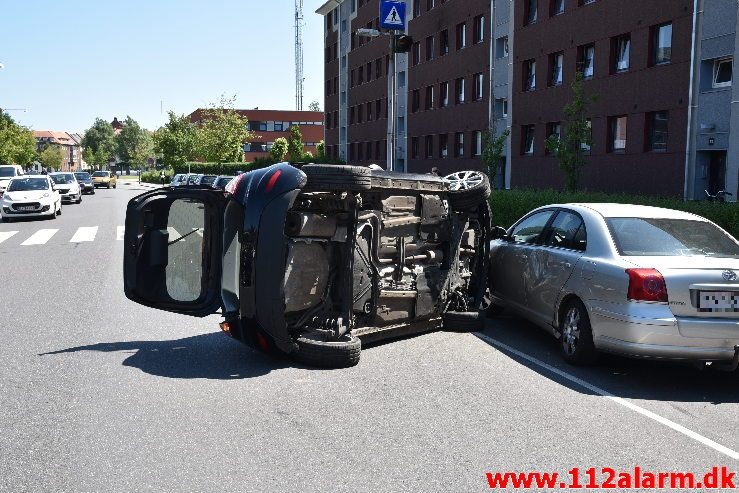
pixel 100 394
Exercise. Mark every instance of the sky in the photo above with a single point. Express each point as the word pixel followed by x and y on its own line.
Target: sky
pixel 68 62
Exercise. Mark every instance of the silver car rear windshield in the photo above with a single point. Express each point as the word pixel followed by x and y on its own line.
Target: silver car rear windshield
pixel 635 236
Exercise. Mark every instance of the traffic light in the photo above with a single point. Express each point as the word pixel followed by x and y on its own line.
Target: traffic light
pixel 402 43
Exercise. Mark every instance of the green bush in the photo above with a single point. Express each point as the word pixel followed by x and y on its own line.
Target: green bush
pixel 154 176
pixel 510 205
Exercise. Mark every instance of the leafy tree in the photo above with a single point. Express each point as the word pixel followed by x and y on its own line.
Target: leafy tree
pixel 99 143
pixel 295 145
pixel 570 148
pixel 222 134
pixel 492 150
pixel 321 151
pixel 17 144
pixel 279 149
pixel 134 144
pixel 51 157
pixel 176 140
pixel 314 106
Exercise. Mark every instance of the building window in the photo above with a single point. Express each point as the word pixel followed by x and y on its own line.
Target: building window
pixel 478 29
pixel 369 150
pixel 459 144
pixel 657 123
pixel 618 133
pixel 360 151
pixel 585 146
pixel 556 62
pixel 378 68
pixel 351 115
pixel 529 75
pixel 360 75
pixel 416 9
pixel 429 48
pixel 501 108
pixel 369 112
pixel 328 120
pixel 531 11
pixel 555 130
pixel 444 94
pixel 460 90
pixel 557 7
pixel 430 4
pixel 415 100
pixel 722 72
pixel 621 53
pixel 478 87
pixel 586 61
pixel 351 78
pixel 444 42
pixel 414 148
pixel 429 97
pixel 477 142
pixel 378 108
pixel 461 36
pixel 662 39
pixel 501 47
pixel 369 71
pixel 527 140
pixel 443 145
pixel 328 88
pixel 429 146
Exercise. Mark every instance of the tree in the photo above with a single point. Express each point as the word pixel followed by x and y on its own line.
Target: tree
pixel 133 144
pixel 314 106
pixel 99 143
pixel 321 151
pixel 17 144
pixel 279 149
pixel 295 145
pixel 492 150
pixel 222 134
pixel 176 140
pixel 51 157
pixel 569 149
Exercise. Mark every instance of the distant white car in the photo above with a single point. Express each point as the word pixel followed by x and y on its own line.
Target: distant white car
pixel 29 196
pixel 8 171
pixel 67 186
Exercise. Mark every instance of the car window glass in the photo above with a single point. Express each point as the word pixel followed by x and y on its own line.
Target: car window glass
pixel 28 184
pixel 529 230
pixel 567 231
pixel 185 225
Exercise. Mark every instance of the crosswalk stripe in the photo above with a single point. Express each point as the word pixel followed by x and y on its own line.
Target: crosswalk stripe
pixel 120 233
pixel 84 234
pixel 198 231
pixel 173 234
pixel 4 235
pixel 40 237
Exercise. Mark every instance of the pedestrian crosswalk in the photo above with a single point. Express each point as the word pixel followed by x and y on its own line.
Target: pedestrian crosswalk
pixel 83 234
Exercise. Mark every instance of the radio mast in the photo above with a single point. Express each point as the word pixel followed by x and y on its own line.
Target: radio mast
pixel 299 55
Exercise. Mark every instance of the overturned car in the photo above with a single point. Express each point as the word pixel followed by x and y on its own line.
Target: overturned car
pixel 312 260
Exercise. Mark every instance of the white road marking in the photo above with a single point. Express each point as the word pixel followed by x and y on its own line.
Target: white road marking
pixel 619 400
pixel 198 231
pixel 84 234
pixel 4 235
pixel 40 237
pixel 173 234
pixel 121 231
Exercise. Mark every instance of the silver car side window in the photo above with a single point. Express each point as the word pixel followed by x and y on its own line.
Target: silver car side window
pixel 567 231
pixel 529 230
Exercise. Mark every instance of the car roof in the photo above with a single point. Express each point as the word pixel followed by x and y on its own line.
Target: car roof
pixel 631 210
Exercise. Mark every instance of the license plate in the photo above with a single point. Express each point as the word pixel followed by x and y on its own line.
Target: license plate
pixel 718 301
pixel 26 208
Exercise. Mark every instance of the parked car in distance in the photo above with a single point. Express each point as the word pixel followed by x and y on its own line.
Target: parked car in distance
pixel 67 186
pixel 313 261
pixel 30 196
pixel 104 179
pixel 8 171
pixel 205 180
pixel 221 182
pixel 85 181
pixel 632 280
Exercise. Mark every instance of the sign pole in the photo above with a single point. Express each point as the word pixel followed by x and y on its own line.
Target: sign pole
pixel 391 127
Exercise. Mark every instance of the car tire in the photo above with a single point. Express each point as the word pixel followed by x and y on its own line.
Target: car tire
pixel 7 219
pixel 463 321
pixel 79 200
pixel 315 350
pixel 467 189
pixel 336 178
pixel 576 334
pixel 107 186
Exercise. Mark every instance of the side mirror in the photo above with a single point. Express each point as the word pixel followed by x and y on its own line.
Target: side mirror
pixel 499 233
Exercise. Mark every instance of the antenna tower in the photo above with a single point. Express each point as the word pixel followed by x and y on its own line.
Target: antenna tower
pixel 299 55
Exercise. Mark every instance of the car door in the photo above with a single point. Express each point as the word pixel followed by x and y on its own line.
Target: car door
pixel 173 247
pixel 552 264
pixel 510 268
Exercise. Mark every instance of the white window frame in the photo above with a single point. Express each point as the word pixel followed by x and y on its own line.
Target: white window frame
pixel 716 65
pixel 479 86
pixel 558 69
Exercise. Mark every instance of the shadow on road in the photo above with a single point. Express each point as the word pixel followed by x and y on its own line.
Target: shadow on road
pixel 623 377
pixel 210 356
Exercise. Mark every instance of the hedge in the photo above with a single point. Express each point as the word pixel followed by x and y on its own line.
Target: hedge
pixel 154 176
pixel 510 205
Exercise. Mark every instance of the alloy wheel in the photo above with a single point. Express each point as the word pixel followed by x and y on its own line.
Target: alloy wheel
pixel 465 180
pixel 571 331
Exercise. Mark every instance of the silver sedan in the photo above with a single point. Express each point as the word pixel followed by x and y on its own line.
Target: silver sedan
pixel 633 280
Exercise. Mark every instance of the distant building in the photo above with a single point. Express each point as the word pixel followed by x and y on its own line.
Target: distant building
pixel 71 144
pixel 269 125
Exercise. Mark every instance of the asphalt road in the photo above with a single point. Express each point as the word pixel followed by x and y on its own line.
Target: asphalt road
pixel 100 394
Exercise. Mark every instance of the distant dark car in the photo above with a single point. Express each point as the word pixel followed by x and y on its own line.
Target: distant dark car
pixel 205 180
pixel 221 182
pixel 307 261
pixel 85 181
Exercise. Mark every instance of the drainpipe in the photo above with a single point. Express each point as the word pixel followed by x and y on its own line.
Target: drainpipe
pixel 689 143
pixel 491 102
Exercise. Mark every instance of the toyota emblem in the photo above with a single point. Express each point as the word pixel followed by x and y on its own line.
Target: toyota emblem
pixel 729 275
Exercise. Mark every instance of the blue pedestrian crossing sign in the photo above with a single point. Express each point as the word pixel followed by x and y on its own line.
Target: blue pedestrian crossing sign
pixel 392 15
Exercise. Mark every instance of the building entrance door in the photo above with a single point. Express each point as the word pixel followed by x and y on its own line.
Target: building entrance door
pixel 717 172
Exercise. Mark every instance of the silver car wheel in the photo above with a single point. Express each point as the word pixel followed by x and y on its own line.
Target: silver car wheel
pixel 571 331
pixel 464 180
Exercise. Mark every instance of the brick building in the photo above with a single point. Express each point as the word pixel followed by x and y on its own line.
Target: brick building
pixel 69 143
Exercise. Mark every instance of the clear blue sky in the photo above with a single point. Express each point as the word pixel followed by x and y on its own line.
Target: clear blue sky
pixel 69 62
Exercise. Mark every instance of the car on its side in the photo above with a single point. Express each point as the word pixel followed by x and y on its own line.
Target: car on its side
pixel 8 171
pixel 315 260
pixel 632 280
pixel 85 181
pixel 104 179
pixel 221 182
pixel 67 186
pixel 30 196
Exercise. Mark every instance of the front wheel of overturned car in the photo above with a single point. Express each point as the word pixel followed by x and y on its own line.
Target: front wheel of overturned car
pixel 576 334
pixel 464 321
pixel 467 189
pixel 336 178
pixel 315 350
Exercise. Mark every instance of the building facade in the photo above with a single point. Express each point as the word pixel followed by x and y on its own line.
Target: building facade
pixel 71 145
pixel 269 125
